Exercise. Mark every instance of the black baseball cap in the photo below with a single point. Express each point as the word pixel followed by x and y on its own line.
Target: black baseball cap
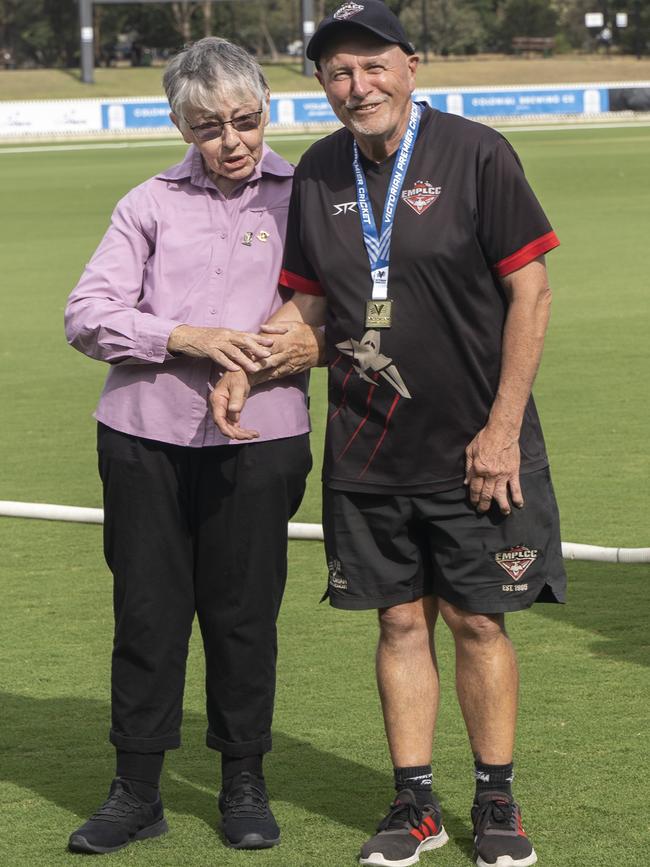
pixel 373 16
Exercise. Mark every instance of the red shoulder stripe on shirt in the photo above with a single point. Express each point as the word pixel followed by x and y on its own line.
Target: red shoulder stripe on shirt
pixel 300 284
pixel 531 251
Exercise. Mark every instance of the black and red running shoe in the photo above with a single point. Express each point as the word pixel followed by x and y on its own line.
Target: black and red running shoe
pixel 406 832
pixel 499 836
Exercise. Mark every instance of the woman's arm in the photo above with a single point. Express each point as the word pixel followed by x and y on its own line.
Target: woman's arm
pixel 102 318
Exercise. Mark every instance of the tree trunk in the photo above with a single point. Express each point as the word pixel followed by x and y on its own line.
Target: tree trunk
pixel 183 12
pixel 207 17
pixel 273 51
pixel 266 33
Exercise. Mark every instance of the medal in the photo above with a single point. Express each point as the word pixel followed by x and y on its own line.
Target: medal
pixel 379 308
pixel 263 236
pixel 379 314
pixel 247 240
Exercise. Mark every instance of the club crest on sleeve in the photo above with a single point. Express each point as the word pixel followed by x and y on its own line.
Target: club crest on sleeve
pixel 421 196
pixel 347 11
pixel 517 560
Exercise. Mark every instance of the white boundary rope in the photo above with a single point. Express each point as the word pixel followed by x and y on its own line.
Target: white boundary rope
pixel 51 512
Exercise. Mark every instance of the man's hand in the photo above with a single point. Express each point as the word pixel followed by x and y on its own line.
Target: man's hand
pixel 296 347
pixel 491 468
pixel 232 350
pixel 227 401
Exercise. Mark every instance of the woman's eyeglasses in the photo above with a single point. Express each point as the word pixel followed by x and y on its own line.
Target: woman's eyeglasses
pixel 214 129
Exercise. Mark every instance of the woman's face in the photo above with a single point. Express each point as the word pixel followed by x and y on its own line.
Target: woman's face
pixel 230 139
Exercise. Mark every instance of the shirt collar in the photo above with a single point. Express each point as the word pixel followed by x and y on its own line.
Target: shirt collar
pixel 191 168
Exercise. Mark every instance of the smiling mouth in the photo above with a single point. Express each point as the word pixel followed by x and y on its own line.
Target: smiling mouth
pixel 365 109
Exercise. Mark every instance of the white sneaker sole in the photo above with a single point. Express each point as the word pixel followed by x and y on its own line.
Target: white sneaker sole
pixel 507 861
pixel 436 842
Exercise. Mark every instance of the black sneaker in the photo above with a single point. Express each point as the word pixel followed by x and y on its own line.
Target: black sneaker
pixel 248 822
pixel 499 837
pixel 123 819
pixel 404 833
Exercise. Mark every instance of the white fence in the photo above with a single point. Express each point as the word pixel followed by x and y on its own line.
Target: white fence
pixel 50 512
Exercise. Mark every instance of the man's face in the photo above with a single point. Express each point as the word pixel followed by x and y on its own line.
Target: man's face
pixel 369 83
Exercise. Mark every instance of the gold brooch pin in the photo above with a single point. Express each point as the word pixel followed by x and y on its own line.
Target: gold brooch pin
pixel 247 240
pixel 263 236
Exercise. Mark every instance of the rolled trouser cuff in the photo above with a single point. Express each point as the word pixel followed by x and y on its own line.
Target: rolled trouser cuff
pixel 171 741
pixel 241 749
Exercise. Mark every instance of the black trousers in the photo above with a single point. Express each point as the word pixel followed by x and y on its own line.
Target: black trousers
pixel 197 530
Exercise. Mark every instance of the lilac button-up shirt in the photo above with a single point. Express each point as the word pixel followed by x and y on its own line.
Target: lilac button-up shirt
pixel 179 252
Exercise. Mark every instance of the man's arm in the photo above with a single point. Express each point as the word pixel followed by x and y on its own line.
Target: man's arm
pixel 298 345
pixel 492 458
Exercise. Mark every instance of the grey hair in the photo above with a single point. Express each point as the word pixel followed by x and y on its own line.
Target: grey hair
pixel 211 70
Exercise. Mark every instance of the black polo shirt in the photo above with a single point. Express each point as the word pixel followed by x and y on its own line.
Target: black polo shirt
pixel 404 402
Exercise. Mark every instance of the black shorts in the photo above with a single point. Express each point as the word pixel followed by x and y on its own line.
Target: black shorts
pixel 385 550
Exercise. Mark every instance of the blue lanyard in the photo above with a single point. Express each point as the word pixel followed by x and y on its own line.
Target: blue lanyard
pixel 378 246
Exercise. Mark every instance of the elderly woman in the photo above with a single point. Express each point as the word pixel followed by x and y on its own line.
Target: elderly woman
pixel 174 295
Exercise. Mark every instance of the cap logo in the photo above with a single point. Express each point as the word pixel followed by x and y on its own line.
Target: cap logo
pixel 421 196
pixel 347 11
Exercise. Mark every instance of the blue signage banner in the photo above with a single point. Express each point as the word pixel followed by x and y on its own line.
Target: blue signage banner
pixel 136 115
pixel 305 109
pixel 508 103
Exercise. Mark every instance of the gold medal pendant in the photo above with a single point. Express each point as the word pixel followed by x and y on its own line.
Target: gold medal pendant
pixel 379 314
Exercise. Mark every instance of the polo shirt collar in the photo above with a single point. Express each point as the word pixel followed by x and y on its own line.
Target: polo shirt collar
pixel 191 168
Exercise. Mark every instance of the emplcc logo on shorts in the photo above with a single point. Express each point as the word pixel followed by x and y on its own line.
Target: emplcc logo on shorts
pixel 516 561
pixel 336 579
pixel 347 11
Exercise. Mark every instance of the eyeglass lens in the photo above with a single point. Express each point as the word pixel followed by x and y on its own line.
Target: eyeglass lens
pixel 244 123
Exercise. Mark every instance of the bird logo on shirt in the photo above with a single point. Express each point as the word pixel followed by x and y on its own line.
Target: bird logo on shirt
pixel 367 357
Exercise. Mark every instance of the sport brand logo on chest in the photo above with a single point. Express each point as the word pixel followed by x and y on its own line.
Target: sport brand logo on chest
pixel 516 561
pixel 421 196
pixel 347 11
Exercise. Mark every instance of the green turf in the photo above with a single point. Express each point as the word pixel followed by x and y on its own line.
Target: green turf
pixel 582 761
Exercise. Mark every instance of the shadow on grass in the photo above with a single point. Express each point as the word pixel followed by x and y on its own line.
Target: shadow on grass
pixel 57 748
pixel 610 600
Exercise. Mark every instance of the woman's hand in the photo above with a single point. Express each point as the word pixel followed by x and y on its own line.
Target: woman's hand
pixel 227 401
pixel 232 350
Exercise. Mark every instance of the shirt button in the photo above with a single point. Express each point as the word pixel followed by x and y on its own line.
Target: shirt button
pixel 150 354
pixel 223 236
pixel 213 310
pixel 219 271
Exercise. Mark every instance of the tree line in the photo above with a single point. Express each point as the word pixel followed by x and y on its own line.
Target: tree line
pixel 46 32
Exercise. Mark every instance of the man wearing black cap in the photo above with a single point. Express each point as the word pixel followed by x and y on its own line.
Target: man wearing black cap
pixel 437 494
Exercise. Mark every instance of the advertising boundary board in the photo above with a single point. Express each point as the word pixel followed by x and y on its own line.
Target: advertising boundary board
pixel 141 115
